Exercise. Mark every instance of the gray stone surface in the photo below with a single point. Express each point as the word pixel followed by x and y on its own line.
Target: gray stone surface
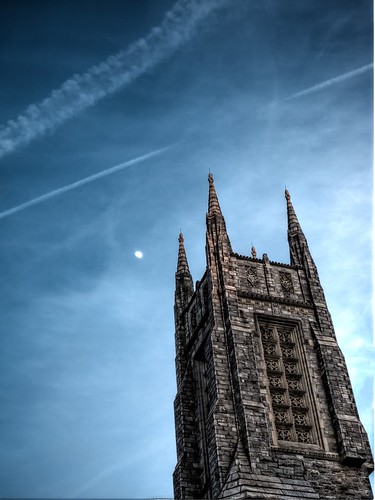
pixel 264 407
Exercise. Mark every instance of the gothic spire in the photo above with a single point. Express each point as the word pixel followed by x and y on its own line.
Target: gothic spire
pixel 216 234
pixel 296 238
pixel 299 250
pixel 184 281
pixel 293 224
pixel 182 263
pixel 213 202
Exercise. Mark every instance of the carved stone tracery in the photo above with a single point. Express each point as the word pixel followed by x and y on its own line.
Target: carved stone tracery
pixel 252 276
pixel 286 283
pixel 285 381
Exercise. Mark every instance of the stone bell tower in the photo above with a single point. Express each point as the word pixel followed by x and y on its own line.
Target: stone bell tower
pixel 264 406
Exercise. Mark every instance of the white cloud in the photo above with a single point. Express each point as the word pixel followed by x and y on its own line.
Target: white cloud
pixel 330 82
pixel 118 70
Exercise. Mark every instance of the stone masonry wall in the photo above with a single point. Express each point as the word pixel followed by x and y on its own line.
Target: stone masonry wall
pixel 264 406
pixel 292 467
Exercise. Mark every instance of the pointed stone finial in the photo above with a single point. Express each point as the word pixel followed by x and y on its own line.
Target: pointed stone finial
pixel 216 232
pixel 182 263
pixel 213 202
pixel 297 241
pixel 253 252
pixel 184 282
pixel 293 224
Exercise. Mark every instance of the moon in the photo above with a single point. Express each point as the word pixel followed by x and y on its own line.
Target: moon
pixel 138 254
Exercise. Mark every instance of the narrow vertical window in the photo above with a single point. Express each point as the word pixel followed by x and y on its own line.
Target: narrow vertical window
pixel 202 409
pixel 193 318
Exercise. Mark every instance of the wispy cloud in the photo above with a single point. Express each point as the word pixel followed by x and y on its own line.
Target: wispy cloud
pixel 81 182
pixel 330 82
pixel 118 70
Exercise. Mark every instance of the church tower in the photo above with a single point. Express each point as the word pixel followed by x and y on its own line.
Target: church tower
pixel 264 406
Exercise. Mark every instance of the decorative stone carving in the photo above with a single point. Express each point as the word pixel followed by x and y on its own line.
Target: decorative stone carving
pixel 285 336
pixel 272 365
pixel 275 382
pixel 293 384
pixel 278 399
pixel 284 434
pixel 267 333
pixel 300 418
pixel 297 401
pixel 281 416
pixel 289 396
pixel 290 368
pixel 286 283
pixel 288 352
pixel 252 276
pixel 270 350
pixel 303 436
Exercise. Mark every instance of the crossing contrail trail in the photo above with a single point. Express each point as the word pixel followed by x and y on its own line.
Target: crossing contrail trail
pixel 86 180
pixel 118 70
pixel 331 81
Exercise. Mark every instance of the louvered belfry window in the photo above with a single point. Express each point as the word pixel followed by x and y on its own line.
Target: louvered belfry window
pixel 286 381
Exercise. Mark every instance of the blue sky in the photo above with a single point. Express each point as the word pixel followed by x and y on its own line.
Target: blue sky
pixel 87 343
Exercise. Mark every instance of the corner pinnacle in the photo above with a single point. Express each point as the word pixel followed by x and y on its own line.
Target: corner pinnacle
pixel 213 202
pixel 182 263
pixel 293 223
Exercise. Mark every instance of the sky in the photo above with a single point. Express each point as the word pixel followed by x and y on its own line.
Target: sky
pixel 113 112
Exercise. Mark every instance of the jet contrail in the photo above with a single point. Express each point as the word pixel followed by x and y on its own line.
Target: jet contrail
pixel 120 69
pixel 81 182
pixel 331 81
